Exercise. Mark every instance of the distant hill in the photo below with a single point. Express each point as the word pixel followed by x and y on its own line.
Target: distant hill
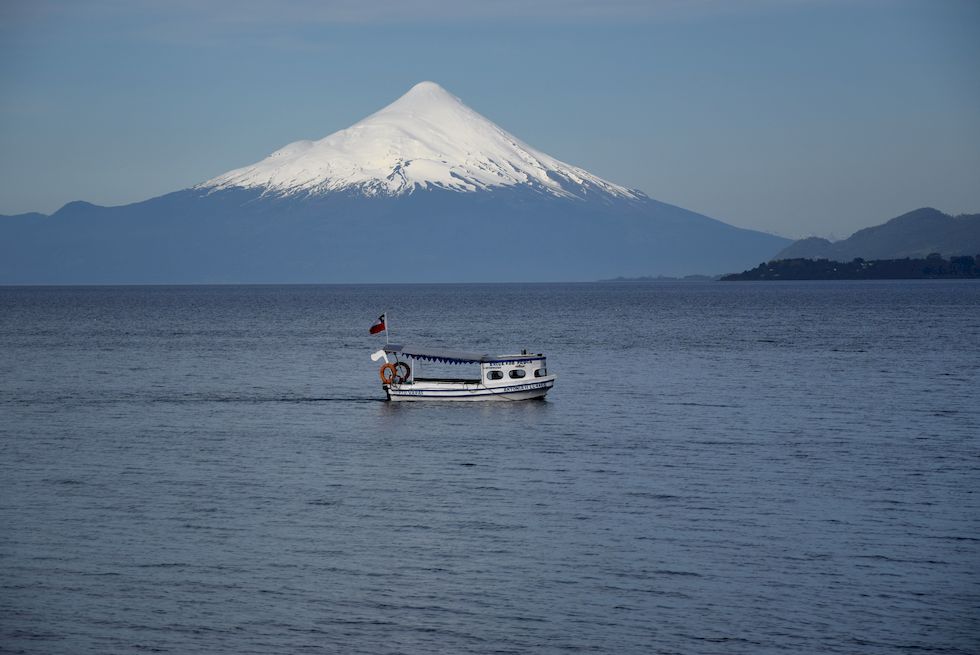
pixel 915 234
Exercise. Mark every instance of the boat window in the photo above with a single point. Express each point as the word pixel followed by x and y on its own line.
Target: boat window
pixel 517 373
pixel 495 375
pixel 540 372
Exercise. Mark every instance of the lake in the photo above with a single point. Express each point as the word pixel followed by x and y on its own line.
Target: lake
pixel 720 468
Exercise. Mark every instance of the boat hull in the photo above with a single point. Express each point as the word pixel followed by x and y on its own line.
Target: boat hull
pixel 469 392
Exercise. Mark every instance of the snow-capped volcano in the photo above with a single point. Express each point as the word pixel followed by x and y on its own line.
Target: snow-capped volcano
pixel 425 190
pixel 427 139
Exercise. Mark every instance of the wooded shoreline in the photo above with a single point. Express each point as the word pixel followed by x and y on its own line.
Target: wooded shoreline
pixel 932 267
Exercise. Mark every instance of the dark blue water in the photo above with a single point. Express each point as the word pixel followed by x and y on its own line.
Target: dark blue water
pixel 721 468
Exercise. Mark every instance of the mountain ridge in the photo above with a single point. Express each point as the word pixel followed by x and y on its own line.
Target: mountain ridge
pixel 913 234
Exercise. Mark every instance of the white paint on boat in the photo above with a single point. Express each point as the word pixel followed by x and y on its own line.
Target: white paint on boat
pixel 506 377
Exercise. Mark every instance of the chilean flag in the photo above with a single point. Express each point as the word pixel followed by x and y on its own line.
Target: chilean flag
pixel 379 325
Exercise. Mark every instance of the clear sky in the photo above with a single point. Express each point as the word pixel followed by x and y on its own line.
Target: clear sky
pixel 797 117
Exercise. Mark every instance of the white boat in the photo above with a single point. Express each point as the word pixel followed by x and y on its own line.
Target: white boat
pixel 501 377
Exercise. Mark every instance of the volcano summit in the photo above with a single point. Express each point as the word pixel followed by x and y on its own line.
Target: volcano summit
pixel 425 189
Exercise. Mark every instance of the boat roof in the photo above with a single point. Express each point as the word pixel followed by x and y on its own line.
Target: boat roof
pixel 425 353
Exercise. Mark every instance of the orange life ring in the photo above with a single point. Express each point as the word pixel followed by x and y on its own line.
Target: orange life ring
pixel 391 369
pixel 402 377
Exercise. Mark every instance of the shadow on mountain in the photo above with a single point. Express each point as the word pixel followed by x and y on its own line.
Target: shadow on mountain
pixel 240 236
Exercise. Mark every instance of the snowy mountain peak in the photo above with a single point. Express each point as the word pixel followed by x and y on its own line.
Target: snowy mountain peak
pixel 427 139
pixel 425 96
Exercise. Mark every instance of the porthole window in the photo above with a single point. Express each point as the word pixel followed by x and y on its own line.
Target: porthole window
pixel 495 375
pixel 540 372
pixel 517 373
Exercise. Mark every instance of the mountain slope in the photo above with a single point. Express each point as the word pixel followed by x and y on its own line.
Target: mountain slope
pixel 425 190
pixel 915 234
pixel 427 139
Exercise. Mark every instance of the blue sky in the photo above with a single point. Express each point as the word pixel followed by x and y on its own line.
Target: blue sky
pixel 796 117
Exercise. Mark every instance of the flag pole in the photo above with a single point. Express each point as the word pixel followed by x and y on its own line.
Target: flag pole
pixel 386 326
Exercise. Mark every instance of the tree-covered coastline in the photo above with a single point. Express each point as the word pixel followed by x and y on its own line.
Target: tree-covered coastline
pixel 933 266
